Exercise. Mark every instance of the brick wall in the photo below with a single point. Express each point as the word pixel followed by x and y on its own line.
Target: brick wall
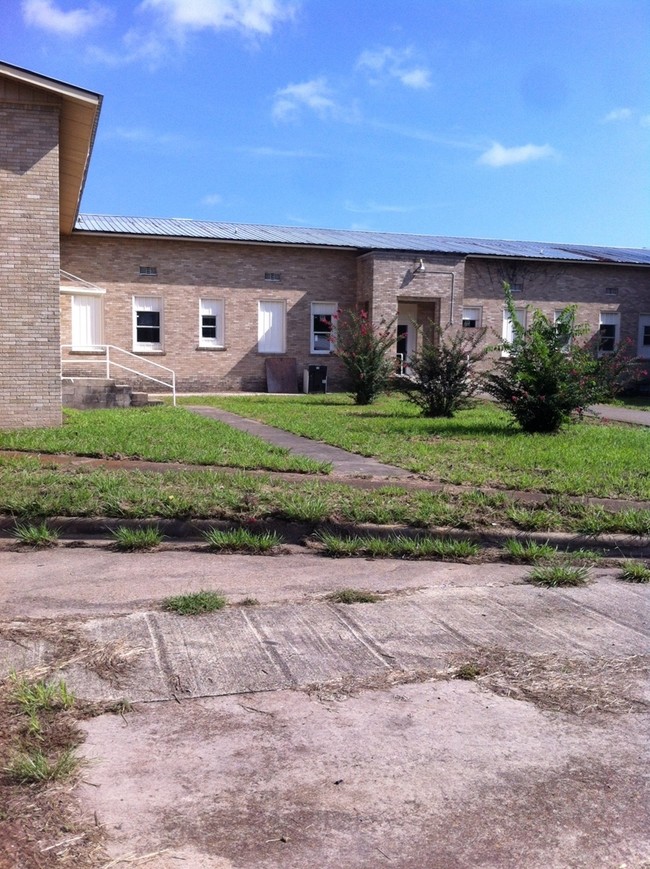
pixel 30 382
pixel 188 271
pixel 552 286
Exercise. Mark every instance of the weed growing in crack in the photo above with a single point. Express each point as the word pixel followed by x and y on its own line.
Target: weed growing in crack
pixel 352 595
pixel 242 540
pixel 529 551
pixel 635 571
pixel 136 539
pixel 194 603
pixel 555 576
pixel 38 536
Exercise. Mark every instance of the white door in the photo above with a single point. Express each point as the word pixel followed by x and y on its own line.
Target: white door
pixel 87 322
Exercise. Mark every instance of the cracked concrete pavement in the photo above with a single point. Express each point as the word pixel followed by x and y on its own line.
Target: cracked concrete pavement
pixel 301 733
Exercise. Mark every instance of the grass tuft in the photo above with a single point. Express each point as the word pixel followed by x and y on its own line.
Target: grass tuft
pixel 136 539
pixel 249 601
pixel 28 767
pixel 36 535
pixel 529 551
pixel 397 546
pixel 194 603
pixel 352 595
pixel 635 571
pixel 468 672
pixel 555 576
pixel 242 540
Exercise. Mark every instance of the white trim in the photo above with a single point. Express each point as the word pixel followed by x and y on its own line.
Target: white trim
pixel 82 291
pixel 328 309
pixel 643 352
pixel 212 308
pixel 147 346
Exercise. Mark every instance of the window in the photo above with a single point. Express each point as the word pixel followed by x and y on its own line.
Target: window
pixel 611 291
pixel 87 322
pixel 508 333
pixel 147 323
pixel 211 323
pixel 517 287
pixel 471 318
pixel 148 271
pixel 643 348
pixel 567 344
pixel 271 327
pixel 322 324
pixel 610 323
pixel 274 277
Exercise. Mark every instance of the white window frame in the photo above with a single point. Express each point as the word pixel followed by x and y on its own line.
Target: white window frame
pixel 211 308
pixel 148 304
pixel 94 326
pixel 478 312
pixel 609 318
pixel 267 310
pixel 643 350
pixel 322 309
pixel 507 331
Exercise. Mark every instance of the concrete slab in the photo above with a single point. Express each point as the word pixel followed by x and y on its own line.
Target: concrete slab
pixel 436 775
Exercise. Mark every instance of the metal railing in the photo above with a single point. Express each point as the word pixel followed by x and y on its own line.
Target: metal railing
pixel 108 361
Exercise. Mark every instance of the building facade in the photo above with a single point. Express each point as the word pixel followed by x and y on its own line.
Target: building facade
pixel 213 302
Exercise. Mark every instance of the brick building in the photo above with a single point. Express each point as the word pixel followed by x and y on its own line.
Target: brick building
pixel 214 301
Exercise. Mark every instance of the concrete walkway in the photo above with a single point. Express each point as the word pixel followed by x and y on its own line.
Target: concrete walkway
pixel 343 462
pixel 350 464
pixel 622 414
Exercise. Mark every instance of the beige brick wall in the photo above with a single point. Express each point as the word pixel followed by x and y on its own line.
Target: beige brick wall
pixel 188 271
pixel 550 287
pixel 30 382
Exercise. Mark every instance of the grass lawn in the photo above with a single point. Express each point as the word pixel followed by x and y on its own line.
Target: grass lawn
pixel 477 447
pixel 161 434
pixel 30 492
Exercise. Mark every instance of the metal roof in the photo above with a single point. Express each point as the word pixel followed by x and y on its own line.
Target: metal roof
pixel 355 239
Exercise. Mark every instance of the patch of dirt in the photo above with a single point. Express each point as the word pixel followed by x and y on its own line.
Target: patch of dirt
pixel 577 686
pixel 574 685
pixel 41 824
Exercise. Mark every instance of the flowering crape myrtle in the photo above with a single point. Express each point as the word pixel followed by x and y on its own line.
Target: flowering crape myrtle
pixel 366 352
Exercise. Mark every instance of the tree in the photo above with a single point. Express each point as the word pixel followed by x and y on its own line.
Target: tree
pixel 366 351
pixel 442 379
pixel 544 380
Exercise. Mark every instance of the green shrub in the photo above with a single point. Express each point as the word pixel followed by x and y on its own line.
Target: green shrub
pixel 441 379
pixel 543 382
pixel 366 352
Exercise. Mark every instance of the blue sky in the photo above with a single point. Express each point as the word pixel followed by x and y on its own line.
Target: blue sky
pixel 524 119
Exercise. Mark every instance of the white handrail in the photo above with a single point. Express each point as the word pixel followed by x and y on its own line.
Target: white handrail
pixel 106 348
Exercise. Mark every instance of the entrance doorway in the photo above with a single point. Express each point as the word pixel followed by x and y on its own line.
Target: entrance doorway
pixel 406 336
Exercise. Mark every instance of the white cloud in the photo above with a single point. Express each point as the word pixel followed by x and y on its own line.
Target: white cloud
pixel 376 208
pixel 144 138
pixel 497 155
pixel 314 95
pixel 46 15
pixel 622 114
pixel 265 151
pixel 645 121
pixel 390 63
pixel 212 199
pixel 253 16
